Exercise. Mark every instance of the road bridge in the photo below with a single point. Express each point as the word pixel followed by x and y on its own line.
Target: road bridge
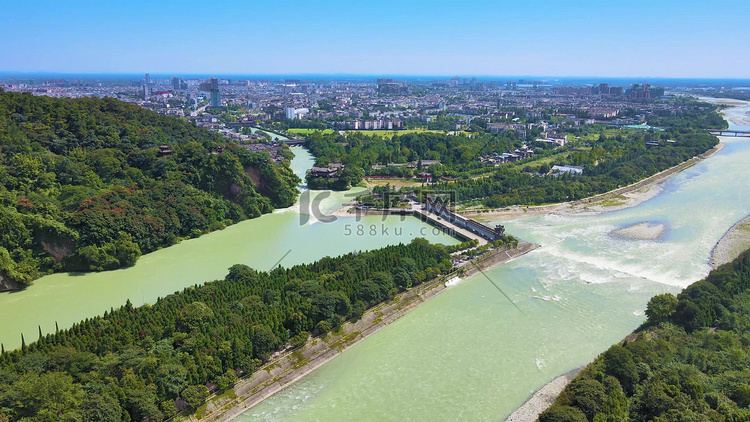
pixel 727 132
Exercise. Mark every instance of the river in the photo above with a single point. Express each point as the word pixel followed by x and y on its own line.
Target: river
pixel 291 236
pixel 468 354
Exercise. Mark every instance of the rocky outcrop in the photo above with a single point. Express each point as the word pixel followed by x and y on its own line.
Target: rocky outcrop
pixel 7 285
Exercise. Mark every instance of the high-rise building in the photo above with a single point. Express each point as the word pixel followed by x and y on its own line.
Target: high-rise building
pixel 604 89
pixel 175 83
pixel 148 79
pixel 215 94
pixel 145 92
pixel 640 92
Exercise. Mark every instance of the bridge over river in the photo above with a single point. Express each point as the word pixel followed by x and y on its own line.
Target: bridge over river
pixel 727 132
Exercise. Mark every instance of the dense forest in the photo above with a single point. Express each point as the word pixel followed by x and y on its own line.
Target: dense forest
pixel 689 362
pixel 613 162
pixel 89 184
pixel 148 363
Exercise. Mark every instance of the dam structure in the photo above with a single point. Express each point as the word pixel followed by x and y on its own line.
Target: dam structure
pixel 440 215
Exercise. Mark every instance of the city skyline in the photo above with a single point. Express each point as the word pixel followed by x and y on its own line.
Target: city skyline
pixel 583 39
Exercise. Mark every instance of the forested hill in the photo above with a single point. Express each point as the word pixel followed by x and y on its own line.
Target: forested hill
pixel 89 184
pixel 689 362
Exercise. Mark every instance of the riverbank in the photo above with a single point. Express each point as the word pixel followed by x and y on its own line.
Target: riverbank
pixel 294 365
pixel 617 199
pixel 543 398
pixel 735 241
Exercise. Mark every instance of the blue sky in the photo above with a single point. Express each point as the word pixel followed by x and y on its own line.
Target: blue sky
pixel 656 38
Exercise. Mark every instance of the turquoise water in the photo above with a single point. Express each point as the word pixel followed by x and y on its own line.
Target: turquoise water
pixel 468 354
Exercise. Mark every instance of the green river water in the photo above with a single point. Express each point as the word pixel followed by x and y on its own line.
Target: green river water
pixel 260 243
pixel 467 354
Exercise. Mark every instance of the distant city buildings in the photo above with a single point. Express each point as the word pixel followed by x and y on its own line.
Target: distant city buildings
pixel 390 87
pixel 215 98
pixel 292 113
pixel 178 83
pixel 533 112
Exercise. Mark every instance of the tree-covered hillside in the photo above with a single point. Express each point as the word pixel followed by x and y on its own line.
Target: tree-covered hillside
pixel 689 362
pixel 147 363
pixel 90 184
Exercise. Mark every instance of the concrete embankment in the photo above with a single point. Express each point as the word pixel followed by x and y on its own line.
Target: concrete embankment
pixel 292 366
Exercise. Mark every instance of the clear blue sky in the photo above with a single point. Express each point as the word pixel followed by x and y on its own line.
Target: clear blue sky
pixel 659 38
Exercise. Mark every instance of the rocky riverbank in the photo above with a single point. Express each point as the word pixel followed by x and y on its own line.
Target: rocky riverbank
pixel 542 399
pixel 735 241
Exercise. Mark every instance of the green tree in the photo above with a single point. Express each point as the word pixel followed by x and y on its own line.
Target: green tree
pixel 47 397
pixel 172 378
pixel 195 395
pixel 619 363
pixel 661 307
pixel 558 413
pixel 194 314
pixel 101 408
pixel 264 340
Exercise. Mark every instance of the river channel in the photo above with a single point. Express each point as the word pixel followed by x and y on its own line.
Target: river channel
pixel 287 237
pixel 468 354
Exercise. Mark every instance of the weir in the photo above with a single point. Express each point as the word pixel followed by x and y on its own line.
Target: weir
pixel 458 226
